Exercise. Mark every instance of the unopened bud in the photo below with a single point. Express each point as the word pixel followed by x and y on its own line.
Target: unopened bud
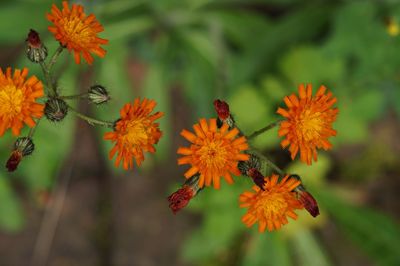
pixel 179 199
pixel 55 109
pixel 257 177
pixel 222 109
pixel 35 50
pixel 22 147
pixel 308 201
pixel 98 94
pixel 253 162
pixel 310 204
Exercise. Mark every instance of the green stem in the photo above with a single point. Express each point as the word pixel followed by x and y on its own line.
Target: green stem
pixel 90 120
pixel 72 97
pixel 264 129
pixel 268 162
pixel 50 88
pixel 33 129
pixel 56 54
pixel 46 68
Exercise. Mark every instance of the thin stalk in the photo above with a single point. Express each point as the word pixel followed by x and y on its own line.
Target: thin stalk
pixel 56 54
pixel 268 162
pixel 264 129
pixel 90 120
pixel 73 97
pixel 50 88
pixel 33 129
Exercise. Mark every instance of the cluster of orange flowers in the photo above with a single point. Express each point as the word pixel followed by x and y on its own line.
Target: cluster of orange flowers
pixel 217 147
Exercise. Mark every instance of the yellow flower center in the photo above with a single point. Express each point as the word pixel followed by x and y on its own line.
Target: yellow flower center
pixel 310 125
pixel 136 133
pixel 78 32
pixel 271 204
pixel 11 100
pixel 213 154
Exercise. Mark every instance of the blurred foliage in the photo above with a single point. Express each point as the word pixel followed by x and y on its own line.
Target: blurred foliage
pixel 251 53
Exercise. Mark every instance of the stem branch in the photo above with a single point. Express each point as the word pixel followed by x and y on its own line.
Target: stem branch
pixel 268 162
pixel 264 129
pixel 90 120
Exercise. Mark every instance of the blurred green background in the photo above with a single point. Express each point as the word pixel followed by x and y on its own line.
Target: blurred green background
pixel 68 205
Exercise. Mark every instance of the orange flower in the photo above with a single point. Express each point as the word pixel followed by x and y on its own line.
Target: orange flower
pixel 308 122
pixel 271 206
pixel 76 31
pixel 214 152
pixel 135 132
pixel 18 100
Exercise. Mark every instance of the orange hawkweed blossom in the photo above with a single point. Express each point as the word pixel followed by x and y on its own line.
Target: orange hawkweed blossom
pixel 76 31
pixel 214 153
pixel 134 133
pixel 308 122
pixel 18 97
pixel 271 206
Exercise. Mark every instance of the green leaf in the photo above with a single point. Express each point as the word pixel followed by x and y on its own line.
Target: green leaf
pixel 128 28
pixel 375 233
pixel 11 214
pixel 308 251
pixel 308 64
pixel 267 249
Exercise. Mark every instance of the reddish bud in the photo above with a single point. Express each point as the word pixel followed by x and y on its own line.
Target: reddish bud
pixel 14 160
pixel 179 199
pixel 310 204
pixel 35 50
pixel 222 109
pixel 33 39
pixel 258 178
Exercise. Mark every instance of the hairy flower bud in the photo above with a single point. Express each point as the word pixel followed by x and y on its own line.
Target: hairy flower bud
pixel 310 204
pixel 253 162
pixel 35 50
pixel 22 147
pixel 179 199
pixel 224 116
pixel 222 109
pixel 257 177
pixel 97 94
pixel 56 109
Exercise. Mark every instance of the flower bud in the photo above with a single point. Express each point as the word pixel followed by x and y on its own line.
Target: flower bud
pixel 179 199
pixel 22 147
pixel 222 109
pixel 257 177
pixel 253 162
pixel 97 94
pixel 55 109
pixel 35 50
pixel 310 204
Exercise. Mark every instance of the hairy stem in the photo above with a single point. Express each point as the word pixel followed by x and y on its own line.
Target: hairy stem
pixel 90 120
pixel 73 97
pixel 264 129
pixel 268 162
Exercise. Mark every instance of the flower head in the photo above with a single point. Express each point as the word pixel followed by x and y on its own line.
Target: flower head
pixel 213 153
pixel 18 100
pixel 135 132
pixel 271 206
pixel 308 122
pixel 76 31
